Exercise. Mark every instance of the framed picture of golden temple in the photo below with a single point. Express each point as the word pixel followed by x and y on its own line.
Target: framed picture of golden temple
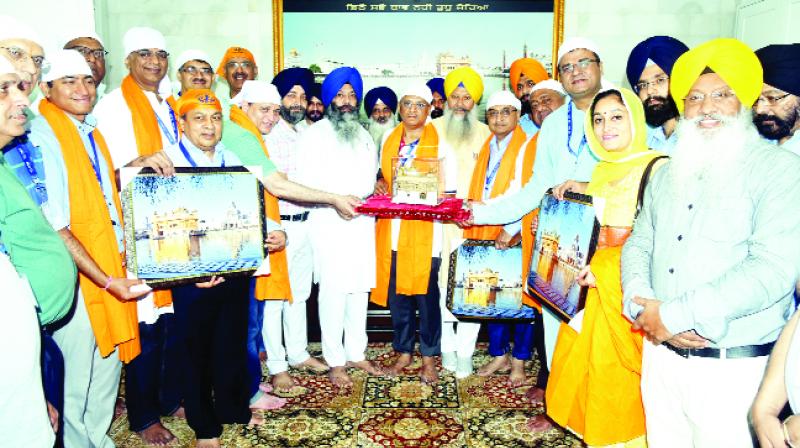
pixel 193 225
pixel 565 241
pixel 485 283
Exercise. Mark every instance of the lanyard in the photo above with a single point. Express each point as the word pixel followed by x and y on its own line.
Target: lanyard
pixel 95 160
pixel 569 136
pixel 173 135
pixel 191 160
pixel 407 152
pixel 490 178
pixel 38 185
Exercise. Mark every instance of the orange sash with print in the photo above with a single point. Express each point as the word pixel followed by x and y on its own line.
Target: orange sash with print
pixel 114 323
pixel 148 141
pixel 275 285
pixel 527 220
pixel 415 244
pixel 503 177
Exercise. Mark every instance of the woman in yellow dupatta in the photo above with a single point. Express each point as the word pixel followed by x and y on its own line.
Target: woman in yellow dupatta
pixel 594 386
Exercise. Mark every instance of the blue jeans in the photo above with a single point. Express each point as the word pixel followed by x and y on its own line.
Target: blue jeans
pixel 500 340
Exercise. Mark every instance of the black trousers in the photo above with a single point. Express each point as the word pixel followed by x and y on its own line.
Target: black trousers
pixel 212 332
pixel 153 379
pixel 404 314
pixel 541 353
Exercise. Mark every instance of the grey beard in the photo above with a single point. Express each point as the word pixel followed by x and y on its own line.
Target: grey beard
pixel 345 124
pixel 292 117
pixel 376 130
pixel 458 131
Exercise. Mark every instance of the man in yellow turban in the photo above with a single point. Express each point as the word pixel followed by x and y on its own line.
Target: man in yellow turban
pixel 709 272
pixel 523 74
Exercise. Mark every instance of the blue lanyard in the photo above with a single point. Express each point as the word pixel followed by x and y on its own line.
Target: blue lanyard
pixel 191 160
pixel 95 161
pixel 38 185
pixel 490 178
pixel 409 154
pixel 569 136
pixel 173 135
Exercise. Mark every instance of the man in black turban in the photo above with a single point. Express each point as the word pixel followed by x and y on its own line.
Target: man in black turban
pixel 777 111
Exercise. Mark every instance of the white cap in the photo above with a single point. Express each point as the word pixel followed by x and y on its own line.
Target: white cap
pixel 549 84
pixel 574 43
pixel 503 98
pixel 6 67
pixel 82 33
pixel 13 28
pixel 257 92
pixel 418 89
pixel 192 55
pixel 141 37
pixel 65 63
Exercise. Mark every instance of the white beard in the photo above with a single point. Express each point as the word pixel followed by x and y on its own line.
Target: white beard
pixel 376 130
pixel 459 130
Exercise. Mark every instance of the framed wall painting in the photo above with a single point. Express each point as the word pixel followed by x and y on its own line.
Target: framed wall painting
pixel 485 283
pixel 198 223
pixel 396 42
pixel 565 241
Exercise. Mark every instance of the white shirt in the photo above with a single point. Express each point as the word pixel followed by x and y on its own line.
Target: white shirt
pixel 281 143
pixel 344 251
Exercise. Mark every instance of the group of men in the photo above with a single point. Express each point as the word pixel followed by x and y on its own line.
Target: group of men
pixel 712 308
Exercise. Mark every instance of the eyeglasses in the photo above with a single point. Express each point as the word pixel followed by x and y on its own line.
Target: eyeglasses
pixel 410 105
pixel 18 54
pixel 233 65
pixel 98 53
pixel 770 99
pixel 192 70
pixel 717 96
pixel 504 112
pixel 583 64
pixel 145 54
pixel 658 82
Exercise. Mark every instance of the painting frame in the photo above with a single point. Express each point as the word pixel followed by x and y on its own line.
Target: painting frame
pixel 568 304
pixel 458 258
pixel 243 225
pixel 278 26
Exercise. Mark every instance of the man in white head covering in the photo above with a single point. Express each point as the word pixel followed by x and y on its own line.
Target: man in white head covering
pixel 193 70
pixel 545 97
pixel 89 44
pixel 22 46
pixel 562 151
pixel 38 256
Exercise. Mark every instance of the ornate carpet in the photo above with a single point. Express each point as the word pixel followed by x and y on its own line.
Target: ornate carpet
pixel 382 412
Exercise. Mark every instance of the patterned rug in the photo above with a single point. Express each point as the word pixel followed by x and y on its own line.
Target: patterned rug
pixel 383 412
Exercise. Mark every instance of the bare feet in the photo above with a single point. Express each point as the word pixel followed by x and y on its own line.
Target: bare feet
pixel 265 387
pixel 367 366
pixel 119 407
pixel 498 364
pixel 180 412
pixel 156 435
pixel 339 377
pixel 208 443
pixel 262 356
pixel 535 395
pixel 313 364
pixel 256 419
pixel 402 361
pixel 539 423
pixel 269 402
pixel 282 382
pixel 429 374
pixel 517 376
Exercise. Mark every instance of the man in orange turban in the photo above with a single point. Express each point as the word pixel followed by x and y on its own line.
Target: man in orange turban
pixel 523 74
pixel 237 66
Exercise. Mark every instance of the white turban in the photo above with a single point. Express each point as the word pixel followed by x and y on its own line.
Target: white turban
pixel 503 98
pixel 192 55
pixel 65 63
pixel 549 84
pixel 257 92
pixel 13 28
pixel 6 67
pixel 419 89
pixel 574 43
pixel 82 33
pixel 138 38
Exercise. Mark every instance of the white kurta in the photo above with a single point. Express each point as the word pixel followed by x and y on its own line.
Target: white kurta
pixel 344 251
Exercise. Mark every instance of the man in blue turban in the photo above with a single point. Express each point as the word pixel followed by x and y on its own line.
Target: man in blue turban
pixel 380 105
pixel 776 113
pixel 649 69
pixel 314 110
pixel 437 89
pixel 293 84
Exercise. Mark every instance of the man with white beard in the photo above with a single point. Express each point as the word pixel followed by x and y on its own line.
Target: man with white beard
pixel 380 105
pixel 709 271
pixel 337 154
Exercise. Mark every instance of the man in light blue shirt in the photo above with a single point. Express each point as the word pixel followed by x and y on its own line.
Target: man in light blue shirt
pixel 523 75
pixel 562 152
pixel 777 110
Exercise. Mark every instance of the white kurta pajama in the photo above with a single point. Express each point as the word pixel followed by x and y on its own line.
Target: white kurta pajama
pixel 344 251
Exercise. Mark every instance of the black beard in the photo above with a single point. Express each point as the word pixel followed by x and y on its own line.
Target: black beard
pixel 314 116
pixel 782 128
pixel 436 113
pixel 291 116
pixel 657 114
pixel 526 107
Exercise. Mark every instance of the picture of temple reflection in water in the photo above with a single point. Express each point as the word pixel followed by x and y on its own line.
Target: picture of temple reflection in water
pixel 195 225
pixel 562 249
pixel 487 283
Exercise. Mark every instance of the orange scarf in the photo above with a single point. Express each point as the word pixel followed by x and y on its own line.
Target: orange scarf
pixel 527 220
pixel 148 141
pixel 415 244
pixel 114 323
pixel 275 285
pixel 504 176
